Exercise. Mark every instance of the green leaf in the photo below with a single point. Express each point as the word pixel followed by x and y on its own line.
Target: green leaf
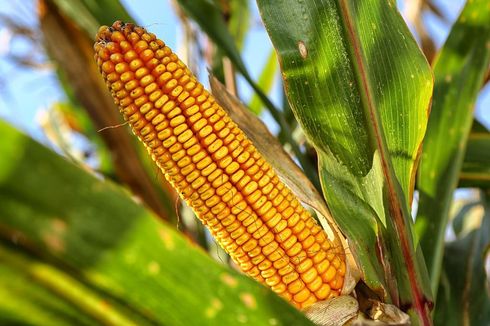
pixel 476 165
pixel 209 18
pixel 23 301
pixel 459 71
pixel 360 88
pixel 461 217
pixel 464 296
pixel 477 127
pixel 265 82
pixel 72 50
pixel 239 22
pixel 90 233
pixel 48 282
pixel 89 14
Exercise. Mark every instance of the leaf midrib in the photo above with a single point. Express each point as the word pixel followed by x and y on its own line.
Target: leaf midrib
pixel 367 102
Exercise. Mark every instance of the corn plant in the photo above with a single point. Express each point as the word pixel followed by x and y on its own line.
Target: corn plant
pixel 328 238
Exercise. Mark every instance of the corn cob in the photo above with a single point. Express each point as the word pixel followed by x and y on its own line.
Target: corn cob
pixel 216 169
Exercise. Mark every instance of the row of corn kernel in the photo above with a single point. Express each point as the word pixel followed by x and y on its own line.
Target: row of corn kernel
pixel 172 126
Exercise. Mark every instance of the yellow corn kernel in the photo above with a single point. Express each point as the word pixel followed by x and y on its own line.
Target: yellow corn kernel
pixel 216 169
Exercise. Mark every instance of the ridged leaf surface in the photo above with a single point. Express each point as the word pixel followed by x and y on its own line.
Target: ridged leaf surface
pixel 459 71
pixel 95 247
pixel 361 88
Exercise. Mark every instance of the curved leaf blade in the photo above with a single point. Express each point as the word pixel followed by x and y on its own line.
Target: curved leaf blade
pixel 361 88
pixel 65 288
pixel 211 21
pixel 476 165
pixel 72 50
pixel 23 301
pixel 116 247
pixel 89 15
pixel 459 71
pixel 265 82
pixel 464 293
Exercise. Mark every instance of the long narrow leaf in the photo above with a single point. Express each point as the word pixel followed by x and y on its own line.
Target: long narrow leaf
pixel 58 283
pixel 459 71
pixel 239 22
pixel 360 88
pixel 464 293
pixel 89 15
pixel 116 247
pixel 72 49
pixel 266 81
pixel 476 165
pixel 23 301
pixel 211 21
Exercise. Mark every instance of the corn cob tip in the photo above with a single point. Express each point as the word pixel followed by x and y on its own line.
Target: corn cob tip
pixel 103 34
pixel 216 169
pixel 113 33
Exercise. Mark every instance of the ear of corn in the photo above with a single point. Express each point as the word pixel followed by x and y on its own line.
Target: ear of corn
pixel 216 169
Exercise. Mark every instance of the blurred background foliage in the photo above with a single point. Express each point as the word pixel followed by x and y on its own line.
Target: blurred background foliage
pixel 92 232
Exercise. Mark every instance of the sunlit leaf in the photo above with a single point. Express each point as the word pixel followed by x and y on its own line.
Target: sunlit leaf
pixel 209 18
pixel 72 50
pixel 23 302
pixel 361 88
pixel 41 292
pixel 89 14
pixel 266 81
pixel 459 70
pixel 239 22
pixel 116 248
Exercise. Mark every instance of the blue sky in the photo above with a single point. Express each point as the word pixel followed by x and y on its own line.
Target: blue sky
pixel 27 91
